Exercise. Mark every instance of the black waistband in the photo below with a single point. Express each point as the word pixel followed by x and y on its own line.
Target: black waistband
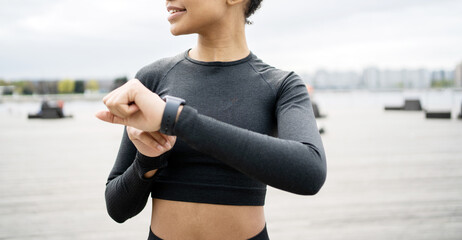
pixel 263 235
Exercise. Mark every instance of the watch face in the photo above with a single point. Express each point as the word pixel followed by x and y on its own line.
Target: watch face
pixel 172 98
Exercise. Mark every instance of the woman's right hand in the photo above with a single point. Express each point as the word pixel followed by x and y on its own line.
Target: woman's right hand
pixel 151 144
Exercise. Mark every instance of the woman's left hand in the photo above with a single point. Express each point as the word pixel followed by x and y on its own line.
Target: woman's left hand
pixel 151 144
pixel 133 105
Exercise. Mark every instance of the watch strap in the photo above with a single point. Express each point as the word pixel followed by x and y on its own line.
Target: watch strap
pixel 170 113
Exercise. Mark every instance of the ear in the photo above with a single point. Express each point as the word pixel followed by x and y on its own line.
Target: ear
pixel 235 2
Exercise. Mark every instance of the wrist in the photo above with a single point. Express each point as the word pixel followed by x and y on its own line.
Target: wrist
pixel 178 114
pixel 160 115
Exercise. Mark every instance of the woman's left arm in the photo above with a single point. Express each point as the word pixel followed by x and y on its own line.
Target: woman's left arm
pixel 294 162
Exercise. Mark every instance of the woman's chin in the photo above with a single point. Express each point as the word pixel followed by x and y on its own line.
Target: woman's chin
pixel 176 33
pixel 176 30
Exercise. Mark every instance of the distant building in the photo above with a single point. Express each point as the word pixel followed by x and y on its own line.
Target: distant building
pixel 419 78
pixel 321 79
pixel 371 78
pixel 437 75
pixel 392 78
pixel 458 75
pixel 6 90
pixel 105 86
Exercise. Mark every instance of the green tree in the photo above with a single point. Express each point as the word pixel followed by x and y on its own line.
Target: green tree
pixel 6 90
pixel 23 87
pixel 66 86
pixel 92 85
pixel 443 83
pixel 18 86
pixel 27 88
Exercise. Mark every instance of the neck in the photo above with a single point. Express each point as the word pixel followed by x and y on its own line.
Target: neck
pixel 222 44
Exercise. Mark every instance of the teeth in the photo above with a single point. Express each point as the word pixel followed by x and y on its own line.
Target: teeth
pixel 173 11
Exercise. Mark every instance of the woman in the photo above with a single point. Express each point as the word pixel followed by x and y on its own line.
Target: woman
pixel 206 162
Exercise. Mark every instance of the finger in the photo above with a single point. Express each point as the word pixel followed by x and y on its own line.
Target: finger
pixel 116 106
pixel 110 118
pixel 105 98
pixel 126 110
pixel 172 140
pixel 133 133
pixel 114 111
pixel 104 116
pixel 132 108
pixel 147 139
pixel 168 138
pixel 120 105
pixel 109 96
pixel 158 137
pixel 141 145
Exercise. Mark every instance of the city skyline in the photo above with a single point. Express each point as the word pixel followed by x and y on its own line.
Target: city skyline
pixel 376 78
pixel 371 78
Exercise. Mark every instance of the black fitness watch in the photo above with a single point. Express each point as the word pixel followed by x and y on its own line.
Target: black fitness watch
pixel 171 110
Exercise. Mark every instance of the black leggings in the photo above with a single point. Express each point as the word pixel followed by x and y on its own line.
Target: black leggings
pixel 263 235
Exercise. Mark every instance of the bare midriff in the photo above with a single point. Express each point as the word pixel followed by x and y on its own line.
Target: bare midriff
pixel 186 220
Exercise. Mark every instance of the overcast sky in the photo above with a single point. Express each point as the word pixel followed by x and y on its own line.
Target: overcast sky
pixel 110 38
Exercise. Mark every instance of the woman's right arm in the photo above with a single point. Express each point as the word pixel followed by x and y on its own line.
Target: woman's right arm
pixel 127 188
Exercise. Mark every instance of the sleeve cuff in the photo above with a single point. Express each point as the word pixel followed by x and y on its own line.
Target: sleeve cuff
pixel 144 164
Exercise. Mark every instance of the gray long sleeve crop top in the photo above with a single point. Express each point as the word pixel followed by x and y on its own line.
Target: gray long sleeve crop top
pixel 245 125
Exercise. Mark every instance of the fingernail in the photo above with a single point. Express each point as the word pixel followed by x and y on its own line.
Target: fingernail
pixel 168 145
pixel 160 147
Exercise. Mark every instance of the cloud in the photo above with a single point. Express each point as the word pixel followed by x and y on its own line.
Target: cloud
pixel 82 38
pixel 107 38
pixel 354 34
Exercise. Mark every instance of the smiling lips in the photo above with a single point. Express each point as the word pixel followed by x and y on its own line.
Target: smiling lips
pixel 175 12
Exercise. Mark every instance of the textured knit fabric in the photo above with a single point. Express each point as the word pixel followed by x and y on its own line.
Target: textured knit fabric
pixel 245 125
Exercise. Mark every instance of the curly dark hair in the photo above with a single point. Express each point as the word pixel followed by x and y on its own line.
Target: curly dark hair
pixel 252 6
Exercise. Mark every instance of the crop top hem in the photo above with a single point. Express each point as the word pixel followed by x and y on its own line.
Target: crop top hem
pixel 206 193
